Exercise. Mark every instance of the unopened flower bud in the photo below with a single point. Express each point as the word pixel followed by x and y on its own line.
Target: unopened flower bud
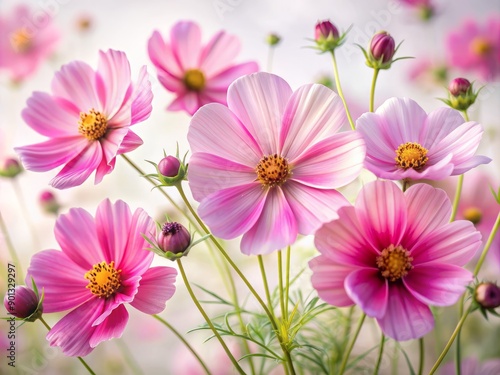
pixel 487 295
pixel 48 202
pixel 174 237
pixel 273 39
pixel 169 166
pixel 10 168
pixel 325 30
pixel 382 47
pixel 459 86
pixel 22 302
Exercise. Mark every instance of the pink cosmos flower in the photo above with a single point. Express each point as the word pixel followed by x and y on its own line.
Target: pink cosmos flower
pixel 403 142
pixel 87 119
pixel 471 366
pixel 267 165
pixel 27 38
pixel 393 254
pixel 102 266
pixel 476 47
pixel 196 74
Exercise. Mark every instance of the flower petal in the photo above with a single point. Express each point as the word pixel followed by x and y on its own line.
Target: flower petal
pixel 224 78
pixel 437 284
pixel 129 143
pixel 332 162
pixel 439 124
pixel 162 56
pixel 312 113
pixel 185 38
pixel 218 53
pixel 259 100
pixel 328 280
pixel 188 101
pixel 58 276
pixel 112 327
pixel 276 227
pixel 368 290
pixel 312 207
pixel 142 97
pixel 156 287
pixel 453 243
pixel 406 317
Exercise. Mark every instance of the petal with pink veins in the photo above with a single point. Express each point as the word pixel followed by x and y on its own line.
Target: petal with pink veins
pixel 156 287
pixel 103 169
pixel 185 39
pixel 275 229
pixel 224 78
pixel 219 52
pixel 162 56
pixel 368 290
pixel 129 143
pixel 111 328
pixel 313 113
pixel 142 97
pixel 259 100
pixel 437 284
pixel 439 124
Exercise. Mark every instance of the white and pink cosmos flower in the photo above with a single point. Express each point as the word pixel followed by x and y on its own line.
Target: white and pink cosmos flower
pixel 26 41
pixel 197 74
pixel 394 254
pixel 87 118
pixel 404 142
pixel 103 265
pixel 267 165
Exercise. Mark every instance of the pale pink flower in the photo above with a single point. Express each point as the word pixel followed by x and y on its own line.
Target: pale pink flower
pixel 103 265
pixel 27 38
pixel 404 142
pixel 87 118
pixel 197 74
pixel 475 47
pixel 267 165
pixel 393 254
pixel 471 366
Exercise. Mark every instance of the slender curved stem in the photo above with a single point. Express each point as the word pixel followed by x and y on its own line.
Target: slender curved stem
pixel 270 56
pixel 340 92
pixel 287 279
pixel 284 318
pixel 184 341
pixel 347 354
pixel 372 89
pixel 207 319
pixel 380 354
pixel 79 358
pixel 458 354
pixel 421 353
pixel 487 246
pixel 266 285
pixel 456 200
pixel 10 246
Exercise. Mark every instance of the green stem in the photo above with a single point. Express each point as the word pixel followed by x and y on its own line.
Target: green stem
pixel 421 356
pixel 128 357
pixel 79 358
pixel 456 200
pixel 207 319
pixel 466 115
pixel 458 366
pixel 270 55
pixel 487 246
pixel 372 89
pixel 351 344
pixel 266 285
pixel 284 318
pixel 10 246
pixel 340 92
pixel 450 342
pixel 184 341
pixel 380 354
pixel 287 279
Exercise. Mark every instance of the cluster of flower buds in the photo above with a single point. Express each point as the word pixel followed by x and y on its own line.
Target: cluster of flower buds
pixel 461 94
pixel 327 36
pixel 23 303
pixel 10 168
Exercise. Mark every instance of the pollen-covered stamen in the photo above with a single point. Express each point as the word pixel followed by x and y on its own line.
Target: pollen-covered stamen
pixel 411 155
pixel 273 170
pixel 473 214
pixel 104 279
pixel 194 80
pixel 394 262
pixel 21 41
pixel 93 125
pixel 481 46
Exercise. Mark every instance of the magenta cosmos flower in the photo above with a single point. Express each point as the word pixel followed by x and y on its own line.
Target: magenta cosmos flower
pixel 403 142
pixel 87 119
pixel 27 38
pixel 476 47
pixel 393 254
pixel 267 165
pixel 196 74
pixel 102 266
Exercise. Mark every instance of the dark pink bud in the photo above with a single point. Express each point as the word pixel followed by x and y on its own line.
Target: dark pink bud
pixel 169 166
pixel 21 302
pixel 325 30
pixel 174 237
pixel 10 168
pixel 48 202
pixel 458 86
pixel 488 295
pixel 382 46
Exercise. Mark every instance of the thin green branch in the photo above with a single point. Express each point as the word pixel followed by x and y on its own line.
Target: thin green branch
pixel 347 354
pixel 340 92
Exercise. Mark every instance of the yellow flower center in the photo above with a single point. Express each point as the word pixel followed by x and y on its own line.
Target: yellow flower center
pixel 473 214
pixel 194 80
pixel 104 280
pixel 21 41
pixel 481 46
pixel 411 155
pixel 394 262
pixel 272 170
pixel 92 125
